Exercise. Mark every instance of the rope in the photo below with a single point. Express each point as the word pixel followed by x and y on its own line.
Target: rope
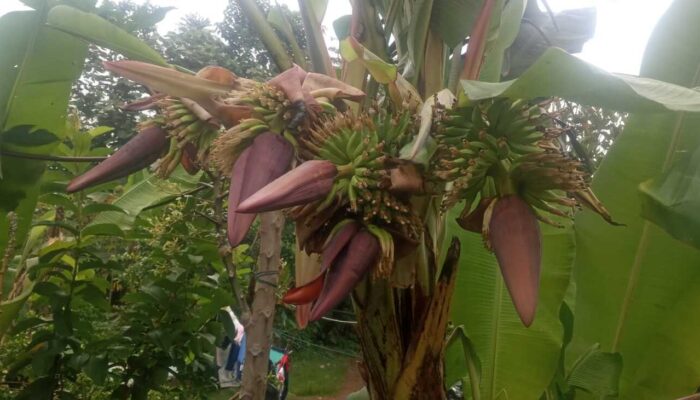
pixel 339 321
pixel 298 340
pixel 258 275
pixel 293 307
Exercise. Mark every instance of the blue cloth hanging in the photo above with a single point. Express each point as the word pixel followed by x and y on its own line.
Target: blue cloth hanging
pixel 241 357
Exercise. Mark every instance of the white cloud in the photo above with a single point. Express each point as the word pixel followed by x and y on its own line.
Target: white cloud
pixel 11 5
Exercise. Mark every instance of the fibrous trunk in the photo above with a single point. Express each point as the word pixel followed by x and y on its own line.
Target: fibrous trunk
pixel 402 335
pixel 259 328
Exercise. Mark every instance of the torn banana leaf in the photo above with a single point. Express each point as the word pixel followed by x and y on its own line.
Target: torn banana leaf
pixel 672 200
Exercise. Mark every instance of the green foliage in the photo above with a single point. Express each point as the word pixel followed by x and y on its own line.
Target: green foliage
pixel 143 191
pixel 507 27
pixel 101 33
pixel 195 44
pixel 568 30
pixel 104 312
pixel 33 96
pixel 98 95
pixel 453 19
pixel 161 300
pixel 672 200
pixel 559 74
pixel 458 341
pixel 244 47
pixel 597 373
pixel 636 285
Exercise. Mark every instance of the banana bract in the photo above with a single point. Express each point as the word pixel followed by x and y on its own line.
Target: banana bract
pixel 308 182
pixel 305 294
pixel 514 236
pixel 136 154
pixel 359 256
pixel 265 160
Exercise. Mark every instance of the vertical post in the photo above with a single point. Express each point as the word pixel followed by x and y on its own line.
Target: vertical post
pixel 259 328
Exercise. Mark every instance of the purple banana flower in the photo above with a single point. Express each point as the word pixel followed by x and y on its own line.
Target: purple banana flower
pixel 139 152
pixel 338 243
pixel 514 234
pixel 310 181
pixel 268 157
pixel 346 272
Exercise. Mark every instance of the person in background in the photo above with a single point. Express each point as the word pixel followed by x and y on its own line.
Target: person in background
pixel 230 355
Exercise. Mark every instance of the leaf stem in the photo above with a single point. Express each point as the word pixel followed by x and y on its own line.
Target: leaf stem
pixel 9 248
pixel 474 58
pixel 46 157
pixel 267 34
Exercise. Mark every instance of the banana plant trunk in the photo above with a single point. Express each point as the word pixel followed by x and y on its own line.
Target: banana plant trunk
pixel 258 328
pixel 402 335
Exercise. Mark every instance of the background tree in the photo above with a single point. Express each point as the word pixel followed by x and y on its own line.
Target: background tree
pixel 98 95
pixel 196 44
pixel 245 48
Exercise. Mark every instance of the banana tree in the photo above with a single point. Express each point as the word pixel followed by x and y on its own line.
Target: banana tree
pixel 395 355
pixel 370 163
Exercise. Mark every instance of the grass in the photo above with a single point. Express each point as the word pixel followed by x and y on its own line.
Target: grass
pixel 317 374
pixel 223 394
pixel 313 373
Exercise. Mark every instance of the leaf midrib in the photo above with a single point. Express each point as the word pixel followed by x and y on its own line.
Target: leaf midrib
pixel 20 74
pixel 496 331
pixel 644 237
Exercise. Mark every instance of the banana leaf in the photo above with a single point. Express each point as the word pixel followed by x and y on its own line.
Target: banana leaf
pixel 638 288
pixel 39 65
pixel 559 74
pixel 515 360
pixel 672 201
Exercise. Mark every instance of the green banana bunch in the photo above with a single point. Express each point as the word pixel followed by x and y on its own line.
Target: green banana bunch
pixel 190 136
pixel 499 147
pixel 362 149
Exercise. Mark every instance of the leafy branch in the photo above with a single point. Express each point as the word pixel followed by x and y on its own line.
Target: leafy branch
pixel 224 247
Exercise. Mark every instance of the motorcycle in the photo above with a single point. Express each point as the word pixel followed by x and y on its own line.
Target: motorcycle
pixel 278 386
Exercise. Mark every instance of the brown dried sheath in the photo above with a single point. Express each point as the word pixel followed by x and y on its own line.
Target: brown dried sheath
pixel 514 234
pixel 266 159
pixel 139 152
pixel 310 181
pixel 188 158
pixel 472 220
pixel 350 267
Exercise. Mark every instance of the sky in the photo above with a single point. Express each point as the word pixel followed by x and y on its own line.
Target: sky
pixel 622 30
